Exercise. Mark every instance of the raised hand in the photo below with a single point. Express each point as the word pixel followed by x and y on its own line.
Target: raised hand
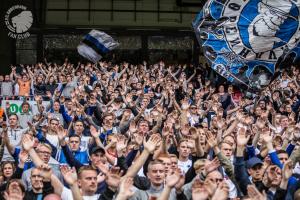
pixel 113 177
pixel 271 175
pixel 151 144
pixel 210 186
pixel 132 127
pixel 199 191
pixel 180 183
pixel 260 123
pixel 173 179
pixel 23 156
pixel 221 192
pixel 241 138
pixel 100 177
pixel 94 132
pixel 46 172
pixel 287 170
pixel 138 139
pixel 70 175
pixel 211 139
pixel 61 133
pixel 27 142
pixel 239 116
pixel 212 165
pixel 103 167
pixel 221 124
pixel 125 189
pixel 254 194
pixel 13 196
pixel 121 144
pixel 165 131
pixel 267 138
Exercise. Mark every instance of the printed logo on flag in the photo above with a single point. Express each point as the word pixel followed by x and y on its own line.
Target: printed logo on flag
pixel 241 35
pixel 18 20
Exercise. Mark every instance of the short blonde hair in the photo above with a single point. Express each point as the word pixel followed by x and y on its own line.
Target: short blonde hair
pixel 45 145
pixel 199 163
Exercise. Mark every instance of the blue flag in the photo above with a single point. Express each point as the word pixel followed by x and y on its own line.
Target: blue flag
pixel 246 40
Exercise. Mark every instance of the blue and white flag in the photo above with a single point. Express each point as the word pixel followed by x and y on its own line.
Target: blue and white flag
pixel 95 44
pixel 245 39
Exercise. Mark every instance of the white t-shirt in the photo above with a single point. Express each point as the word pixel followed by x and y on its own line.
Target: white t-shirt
pixel 67 195
pixel 184 166
pixel 53 139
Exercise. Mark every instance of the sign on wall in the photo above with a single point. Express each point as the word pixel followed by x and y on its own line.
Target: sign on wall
pixel 16 106
pixel 18 20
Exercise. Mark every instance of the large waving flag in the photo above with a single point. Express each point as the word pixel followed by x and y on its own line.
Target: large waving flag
pixel 246 40
pixel 95 44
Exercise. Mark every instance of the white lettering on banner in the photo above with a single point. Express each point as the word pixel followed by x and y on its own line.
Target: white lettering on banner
pixel 261 39
pixel 16 106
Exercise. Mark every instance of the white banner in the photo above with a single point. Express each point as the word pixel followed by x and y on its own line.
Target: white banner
pixel 16 106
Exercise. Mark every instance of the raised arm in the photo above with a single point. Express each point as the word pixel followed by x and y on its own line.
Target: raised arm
pixel 28 144
pixel 70 176
pixel 149 148
pixel 125 190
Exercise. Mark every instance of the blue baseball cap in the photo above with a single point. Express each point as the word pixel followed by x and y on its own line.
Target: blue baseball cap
pixel 253 161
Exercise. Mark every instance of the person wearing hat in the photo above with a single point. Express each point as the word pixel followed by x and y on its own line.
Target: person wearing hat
pixel 253 167
pixel 97 155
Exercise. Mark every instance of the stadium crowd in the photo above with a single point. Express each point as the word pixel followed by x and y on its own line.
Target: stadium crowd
pixel 146 132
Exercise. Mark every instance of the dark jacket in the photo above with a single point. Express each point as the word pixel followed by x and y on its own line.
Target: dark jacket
pixel 48 189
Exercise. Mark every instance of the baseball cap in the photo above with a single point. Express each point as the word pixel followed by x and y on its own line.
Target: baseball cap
pixel 96 150
pixel 253 161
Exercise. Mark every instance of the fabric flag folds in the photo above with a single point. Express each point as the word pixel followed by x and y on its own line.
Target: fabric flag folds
pixel 95 44
pixel 246 40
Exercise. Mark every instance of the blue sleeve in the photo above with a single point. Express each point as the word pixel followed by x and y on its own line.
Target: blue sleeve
pixel 275 160
pixel 241 174
pixel 16 154
pixel 83 157
pixel 93 79
pixel 290 149
pixel 51 106
pixel 296 106
pixel 65 115
pixel 293 186
pixel 90 110
pixel 41 138
pixel 62 158
pixel 130 157
pixel 70 158
pixel 251 151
